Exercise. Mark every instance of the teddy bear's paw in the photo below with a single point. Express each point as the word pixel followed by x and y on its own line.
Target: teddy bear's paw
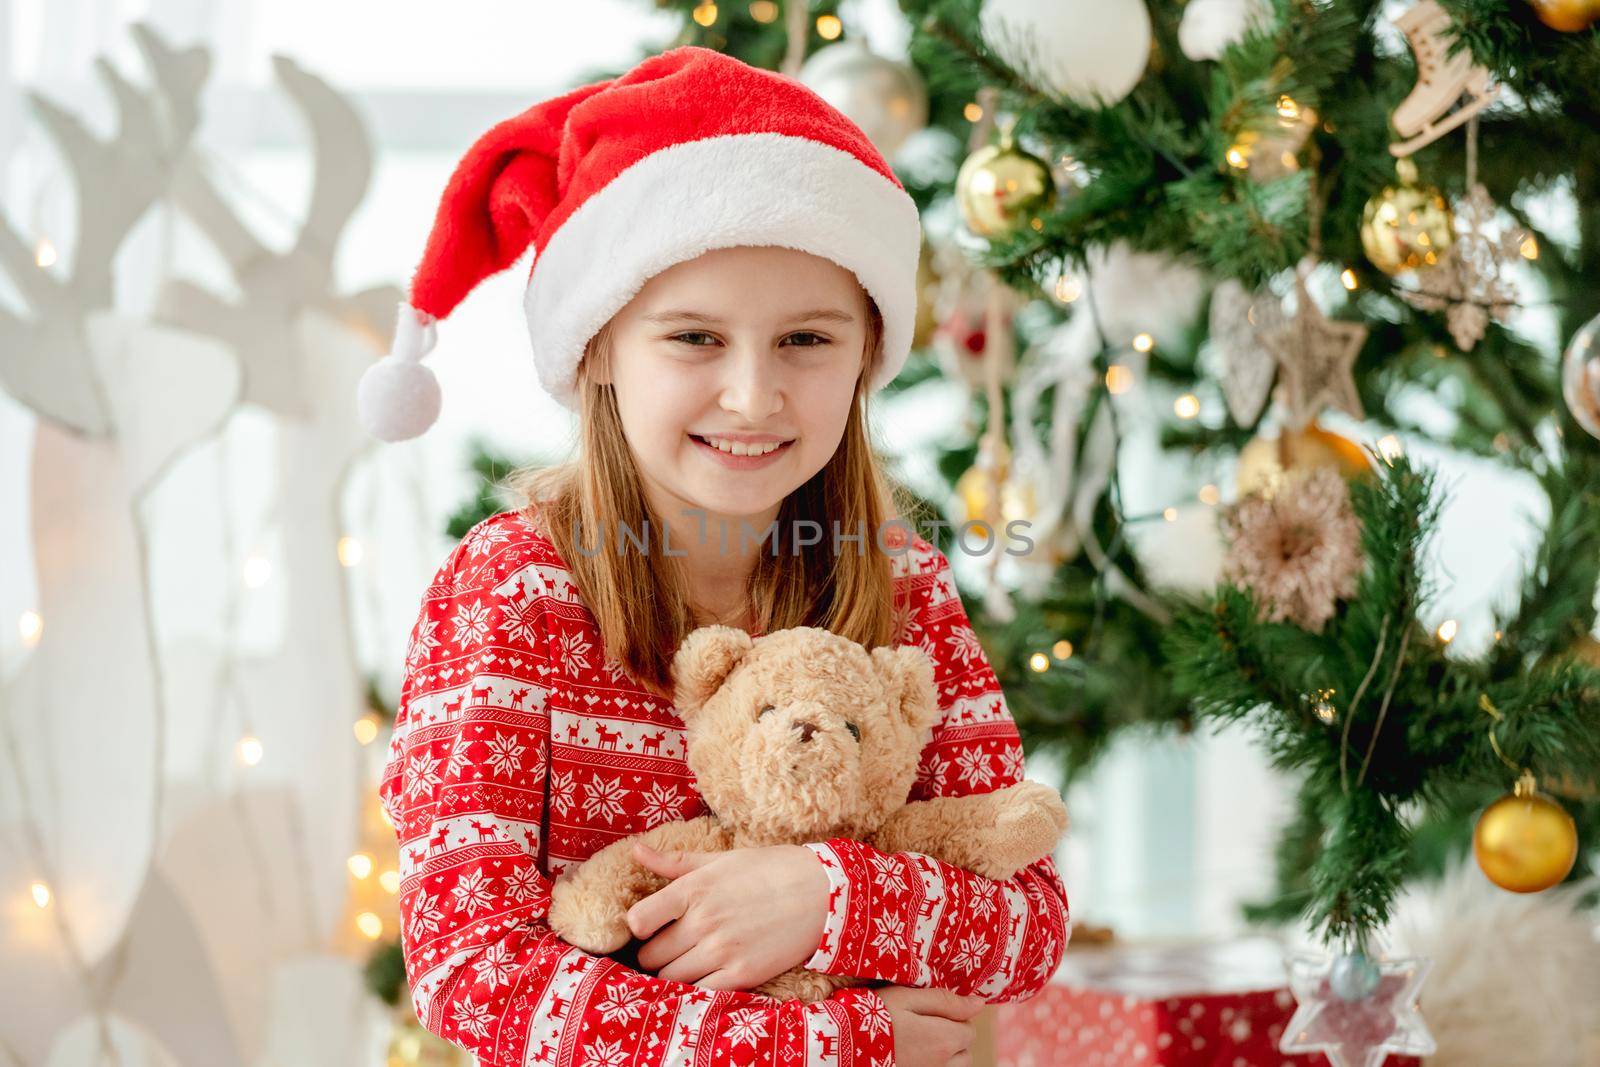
pixel 574 918
pixel 802 985
pixel 1034 817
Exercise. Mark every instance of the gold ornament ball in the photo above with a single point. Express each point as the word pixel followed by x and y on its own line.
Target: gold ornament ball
pixel 1262 460
pixel 1568 16
pixel 927 320
pixel 411 1045
pixel 1406 226
pixel 1525 842
pixel 1001 188
pixel 977 486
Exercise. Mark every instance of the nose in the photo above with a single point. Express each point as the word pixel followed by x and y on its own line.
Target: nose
pixel 806 729
pixel 752 389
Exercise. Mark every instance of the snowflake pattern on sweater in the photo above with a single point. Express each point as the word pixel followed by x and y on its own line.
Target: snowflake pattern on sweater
pixel 519 749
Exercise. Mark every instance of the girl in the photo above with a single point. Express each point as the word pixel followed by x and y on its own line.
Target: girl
pixel 725 272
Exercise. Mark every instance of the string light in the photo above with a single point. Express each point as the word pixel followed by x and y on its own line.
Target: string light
pixel 257 569
pixel 1144 342
pixel 390 880
pixel 1061 649
pixel 764 11
pixel 1170 514
pixel 704 14
pixel 44 253
pixel 1237 159
pixel 1323 708
pixel 1447 631
pixel 1287 108
pixel 370 925
pixel 1186 406
pixel 829 27
pixel 1068 288
pixel 250 750
pixel 1348 277
pixel 30 624
pixel 1530 248
pixel 350 551
pixel 366 729
pixel 1389 448
pixel 41 894
pixel 1039 662
pixel 972 112
pixel 1209 495
pixel 1119 379
pixel 360 865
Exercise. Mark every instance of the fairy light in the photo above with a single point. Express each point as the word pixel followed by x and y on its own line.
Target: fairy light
pixel 1119 379
pixel 829 27
pixel 1323 708
pixel 1068 288
pixel 1209 495
pixel 1348 277
pixel 366 729
pixel 360 865
pixel 1447 631
pixel 250 750
pixel 1186 406
pixel 1389 448
pixel 764 11
pixel 704 14
pixel 41 894
pixel 1170 514
pixel 370 925
pixel 1237 159
pixel 1289 160
pixel 1062 649
pixel 30 625
pixel 1287 108
pixel 44 254
pixel 1039 662
pixel 1529 248
pixel 257 569
pixel 1144 342
pixel 972 112
pixel 390 880
pixel 350 551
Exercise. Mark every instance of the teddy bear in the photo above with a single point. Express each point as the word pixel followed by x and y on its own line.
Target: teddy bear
pixel 796 736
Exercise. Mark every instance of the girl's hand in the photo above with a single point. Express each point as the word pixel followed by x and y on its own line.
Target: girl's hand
pixel 931 1027
pixel 731 920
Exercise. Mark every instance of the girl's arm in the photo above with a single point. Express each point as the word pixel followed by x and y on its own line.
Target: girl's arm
pixel 907 918
pixel 465 787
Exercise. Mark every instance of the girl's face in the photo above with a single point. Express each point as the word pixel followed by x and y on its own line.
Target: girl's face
pixel 752 350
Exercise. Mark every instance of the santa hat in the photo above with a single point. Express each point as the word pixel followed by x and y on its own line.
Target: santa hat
pixel 616 181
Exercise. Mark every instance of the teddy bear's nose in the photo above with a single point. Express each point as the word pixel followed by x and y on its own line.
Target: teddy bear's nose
pixel 806 729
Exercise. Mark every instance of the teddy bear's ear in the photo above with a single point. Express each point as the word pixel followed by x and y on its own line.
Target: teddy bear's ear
pixel 703 662
pixel 907 674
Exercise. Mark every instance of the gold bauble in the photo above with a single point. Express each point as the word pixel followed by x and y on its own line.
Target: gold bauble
pixel 1262 460
pixel 1525 842
pixel 927 320
pixel 1406 226
pixel 410 1045
pixel 1001 188
pixel 976 489
pixel 1568 16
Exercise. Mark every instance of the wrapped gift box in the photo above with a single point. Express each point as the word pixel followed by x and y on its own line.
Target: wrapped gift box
pixel 1158 1005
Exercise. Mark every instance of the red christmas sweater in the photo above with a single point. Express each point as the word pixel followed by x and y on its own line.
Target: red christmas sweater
pixel 519 749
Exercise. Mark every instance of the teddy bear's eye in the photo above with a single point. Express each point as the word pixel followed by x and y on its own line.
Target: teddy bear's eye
pixel 766 709
pixel 855 731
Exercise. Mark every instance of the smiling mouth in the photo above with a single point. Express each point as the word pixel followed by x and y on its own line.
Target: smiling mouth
pixel 741 448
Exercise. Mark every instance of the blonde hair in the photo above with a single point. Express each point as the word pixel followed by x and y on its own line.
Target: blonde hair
pixel 641 599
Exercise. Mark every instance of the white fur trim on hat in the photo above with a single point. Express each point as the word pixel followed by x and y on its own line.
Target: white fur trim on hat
pixel 721 192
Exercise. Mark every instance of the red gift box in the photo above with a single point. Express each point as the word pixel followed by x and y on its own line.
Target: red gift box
pixel 1199 1005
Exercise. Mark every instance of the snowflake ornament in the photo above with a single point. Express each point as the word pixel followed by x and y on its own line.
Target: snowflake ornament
pixel 1469 283
pixel 1354 1030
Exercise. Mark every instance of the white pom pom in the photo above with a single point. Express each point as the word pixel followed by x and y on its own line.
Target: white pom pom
pixel 397 399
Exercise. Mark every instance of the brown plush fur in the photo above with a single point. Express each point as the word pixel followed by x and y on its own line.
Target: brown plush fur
pixel 769 780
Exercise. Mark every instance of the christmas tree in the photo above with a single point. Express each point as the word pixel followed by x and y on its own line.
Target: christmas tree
pixel 1345 200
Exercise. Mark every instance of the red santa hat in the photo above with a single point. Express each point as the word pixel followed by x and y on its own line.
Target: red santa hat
pixel 616 181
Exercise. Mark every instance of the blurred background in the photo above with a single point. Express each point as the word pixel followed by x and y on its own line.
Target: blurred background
pixel 208 573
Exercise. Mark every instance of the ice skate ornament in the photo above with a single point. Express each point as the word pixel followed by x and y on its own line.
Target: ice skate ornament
pixel 1444 81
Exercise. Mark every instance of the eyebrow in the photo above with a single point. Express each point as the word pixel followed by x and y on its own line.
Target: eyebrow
pixel 815 315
